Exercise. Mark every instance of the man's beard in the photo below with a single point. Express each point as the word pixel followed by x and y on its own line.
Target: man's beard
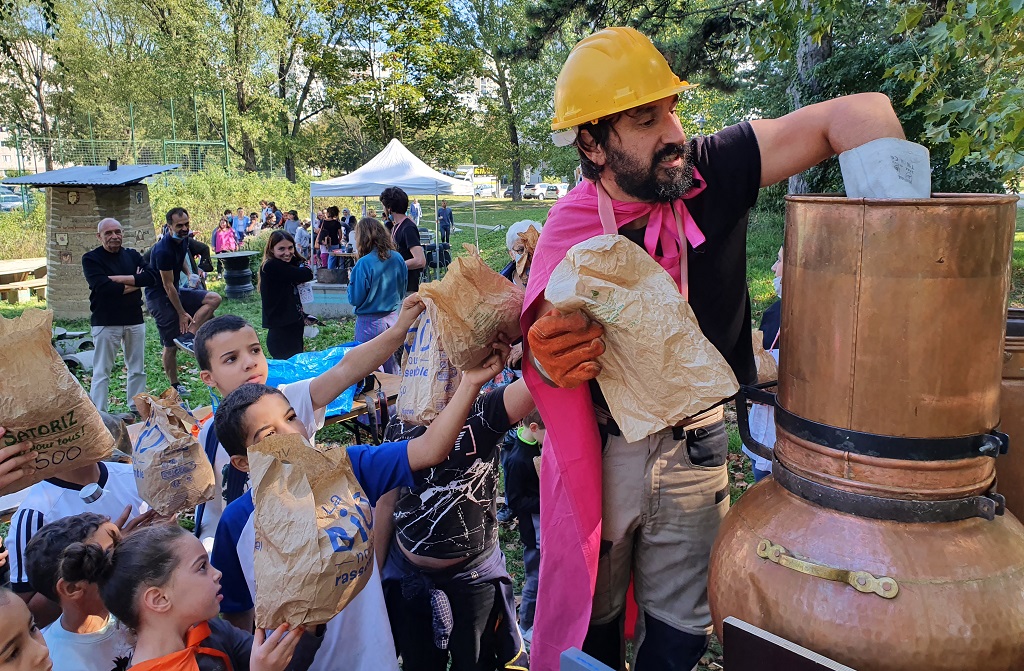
pixel 643 181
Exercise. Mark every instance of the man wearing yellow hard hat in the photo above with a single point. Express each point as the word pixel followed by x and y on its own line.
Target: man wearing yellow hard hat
pixel 648 511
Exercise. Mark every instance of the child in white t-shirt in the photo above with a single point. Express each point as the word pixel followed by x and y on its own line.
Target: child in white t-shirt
pixel 86 637
pixel 114 495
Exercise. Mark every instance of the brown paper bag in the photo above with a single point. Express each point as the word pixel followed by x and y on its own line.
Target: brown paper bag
pixel 474 304
pixel 767 367
pixel 429 378
pixel 314 541
pixel 172 472
pixel 42 402
pixel 658 368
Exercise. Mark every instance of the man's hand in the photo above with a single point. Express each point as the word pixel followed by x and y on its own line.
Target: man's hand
pixel 412 307
pixel 184 321
pixel 16 461
pixel 566 347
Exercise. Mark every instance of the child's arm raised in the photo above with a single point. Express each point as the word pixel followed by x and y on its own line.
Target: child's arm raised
pixel 434 446
pixel 365 358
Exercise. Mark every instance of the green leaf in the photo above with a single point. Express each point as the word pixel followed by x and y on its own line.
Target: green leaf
pixel 911 17
pixel 961 147
pixel 956 107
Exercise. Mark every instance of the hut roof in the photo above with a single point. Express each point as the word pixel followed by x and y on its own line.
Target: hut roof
pixel 92 175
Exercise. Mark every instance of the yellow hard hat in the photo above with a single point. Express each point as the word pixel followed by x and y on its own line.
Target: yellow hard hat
pixel 612 70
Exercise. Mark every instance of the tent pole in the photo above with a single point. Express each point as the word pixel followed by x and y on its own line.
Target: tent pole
pixel 364 206
pixel 476 231
pixel 437 236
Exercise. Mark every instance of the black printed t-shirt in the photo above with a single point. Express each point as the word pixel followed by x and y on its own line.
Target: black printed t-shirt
pixel 450 512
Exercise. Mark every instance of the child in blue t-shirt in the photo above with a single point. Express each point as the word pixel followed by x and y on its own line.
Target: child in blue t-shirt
pixel 254 411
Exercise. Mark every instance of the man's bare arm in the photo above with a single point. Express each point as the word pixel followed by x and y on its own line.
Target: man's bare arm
pixel 802 139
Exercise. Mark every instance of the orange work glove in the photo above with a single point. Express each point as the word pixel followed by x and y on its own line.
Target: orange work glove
pixel 566 347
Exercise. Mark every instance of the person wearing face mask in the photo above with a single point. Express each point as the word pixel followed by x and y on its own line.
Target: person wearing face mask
pixel 762 417
pixel 178 312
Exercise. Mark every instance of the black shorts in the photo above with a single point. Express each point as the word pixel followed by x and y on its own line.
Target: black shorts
pixel 166 317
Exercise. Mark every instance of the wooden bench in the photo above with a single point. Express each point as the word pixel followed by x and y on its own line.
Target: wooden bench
pixel 19 292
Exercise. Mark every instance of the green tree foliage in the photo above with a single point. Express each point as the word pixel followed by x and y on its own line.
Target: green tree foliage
pixel 306 81
pixel 952 69
pixel 986 120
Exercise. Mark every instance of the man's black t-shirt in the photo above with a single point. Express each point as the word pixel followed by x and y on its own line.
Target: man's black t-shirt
pixel 167 254
pixel 730 164
pixel 406 237
pixel 330 232
pixel 450 511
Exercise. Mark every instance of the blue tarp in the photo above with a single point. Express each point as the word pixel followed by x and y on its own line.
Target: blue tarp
pixel 307 365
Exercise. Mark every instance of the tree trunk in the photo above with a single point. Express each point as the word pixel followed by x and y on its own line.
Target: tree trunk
pixel 809 55
pixel 513 130
pixel 248 148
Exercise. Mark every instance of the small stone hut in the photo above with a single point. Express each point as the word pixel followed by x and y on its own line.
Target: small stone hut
pixel 76 199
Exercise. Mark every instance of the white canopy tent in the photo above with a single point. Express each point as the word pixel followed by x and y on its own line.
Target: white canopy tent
pixel 395 166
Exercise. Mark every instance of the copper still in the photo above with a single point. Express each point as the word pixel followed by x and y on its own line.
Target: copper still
pixel 1010 469
pixel 880 541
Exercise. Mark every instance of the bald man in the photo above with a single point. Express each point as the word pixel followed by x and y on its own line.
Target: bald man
pixel 115 275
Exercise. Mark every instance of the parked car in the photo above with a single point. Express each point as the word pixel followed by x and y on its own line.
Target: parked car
pixel 550 191
pixel 10 202
pixel 507 193
pixel 484 191
pixel 530 190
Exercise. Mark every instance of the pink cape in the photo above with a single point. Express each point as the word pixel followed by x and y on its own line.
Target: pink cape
pixel 570 479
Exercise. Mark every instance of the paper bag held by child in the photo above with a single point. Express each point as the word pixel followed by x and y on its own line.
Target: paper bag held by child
pixel 474 305
pixel 314 547
pixel 658 368
pixel 429 378
pixel 767 366
pixel 172 472
pixel 41 402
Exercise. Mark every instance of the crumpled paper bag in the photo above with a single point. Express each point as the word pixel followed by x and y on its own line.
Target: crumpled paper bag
pixel 529 238
pixel 429 378
pixel 658 368
pixel 767 367
pixel 474 305
pixel 42 402
pixel 172 472
pixel 314 543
